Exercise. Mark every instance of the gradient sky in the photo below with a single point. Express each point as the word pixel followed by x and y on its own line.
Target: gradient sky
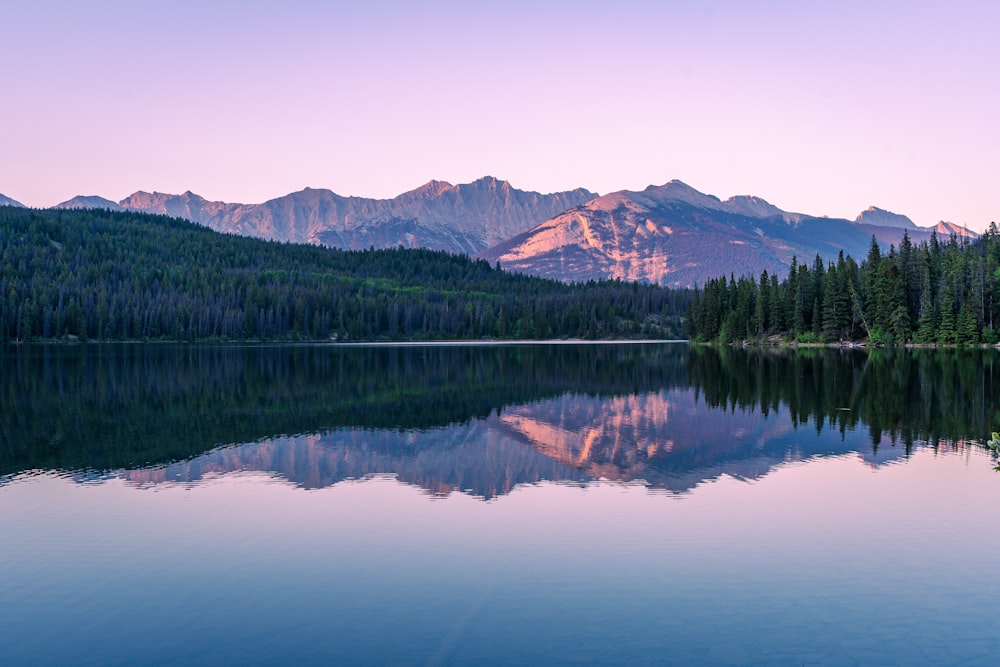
pixel 823 108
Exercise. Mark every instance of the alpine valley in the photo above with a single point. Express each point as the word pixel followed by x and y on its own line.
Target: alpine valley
pixel 671 234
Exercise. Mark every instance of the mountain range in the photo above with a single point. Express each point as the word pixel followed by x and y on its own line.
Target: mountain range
pixel 670 234
pixel 676 236
pixel 467 218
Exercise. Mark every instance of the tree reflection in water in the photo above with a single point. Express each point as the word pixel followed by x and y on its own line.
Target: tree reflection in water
pixel 479 418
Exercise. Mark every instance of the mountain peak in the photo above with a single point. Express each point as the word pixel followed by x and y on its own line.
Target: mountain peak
pixel 677 190
pixel 89 201
pixel 751 206
pixel 141 199
pixel 310 192
pixel 673 186
pixel 432 188
pixel 882 218
pixel 7 201
pixel 491 182
pixel 947 228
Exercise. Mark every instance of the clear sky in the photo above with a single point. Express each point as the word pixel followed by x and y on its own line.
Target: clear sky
pixel 819 107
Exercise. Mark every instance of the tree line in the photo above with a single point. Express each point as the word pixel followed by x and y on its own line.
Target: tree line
pixel 932 293
pixel 101 275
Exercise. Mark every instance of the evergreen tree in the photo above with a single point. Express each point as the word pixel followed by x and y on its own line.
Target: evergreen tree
pixel 946 333
pixel 968 328
pixel 870 284
pixel 776 320
pixel 762 305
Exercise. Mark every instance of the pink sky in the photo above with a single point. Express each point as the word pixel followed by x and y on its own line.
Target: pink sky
pixel 824 108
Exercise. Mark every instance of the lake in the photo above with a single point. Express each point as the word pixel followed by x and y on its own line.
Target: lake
pixel 495 504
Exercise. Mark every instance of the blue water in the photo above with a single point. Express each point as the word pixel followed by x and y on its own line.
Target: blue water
pixel 622 529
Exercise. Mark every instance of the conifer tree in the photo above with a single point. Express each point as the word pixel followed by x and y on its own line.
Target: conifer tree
pixel 946 332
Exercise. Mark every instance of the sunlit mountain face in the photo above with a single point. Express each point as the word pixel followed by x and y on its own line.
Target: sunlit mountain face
pixel 674 235
pixel 479 419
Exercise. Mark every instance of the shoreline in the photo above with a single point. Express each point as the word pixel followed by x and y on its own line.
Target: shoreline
pixel 359 343
pixel 856 345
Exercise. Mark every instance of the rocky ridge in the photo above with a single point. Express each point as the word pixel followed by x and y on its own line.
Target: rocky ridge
pixel 465 218
pixel 676 236
pixel 882 218
pixel 670 234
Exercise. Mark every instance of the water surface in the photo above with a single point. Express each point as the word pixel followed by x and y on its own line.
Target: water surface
pixel 497 505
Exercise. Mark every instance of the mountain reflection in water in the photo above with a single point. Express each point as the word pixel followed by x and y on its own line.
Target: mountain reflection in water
pixel 479 419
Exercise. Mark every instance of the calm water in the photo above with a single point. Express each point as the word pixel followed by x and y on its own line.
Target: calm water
pixel 497 505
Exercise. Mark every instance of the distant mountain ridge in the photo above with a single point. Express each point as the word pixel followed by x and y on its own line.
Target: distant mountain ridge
pixel 670 234
pixel 948 228
pixel 89 202
pixel 883 218
pixel 677 236
pixel 465 218
pixel 7 201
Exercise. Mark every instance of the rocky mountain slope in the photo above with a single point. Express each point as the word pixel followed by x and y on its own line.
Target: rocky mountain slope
pixel 466 218
pixel 883 218
pixel 7 201
pixel 946 229
pixel 674 235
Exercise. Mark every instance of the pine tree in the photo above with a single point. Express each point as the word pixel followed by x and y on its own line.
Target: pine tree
pixel 762 309
pixel 899 324
pixel 869 284
pixel 776 319
pixel 928 320
pixel 946 333
pixel 968 328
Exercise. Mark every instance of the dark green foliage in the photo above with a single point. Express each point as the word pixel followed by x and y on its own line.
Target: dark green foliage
pixel 103 407
pixel 910 396
pixel 932 293
pixel 98 275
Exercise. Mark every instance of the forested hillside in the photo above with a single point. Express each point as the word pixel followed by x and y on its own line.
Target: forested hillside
pixel 935 292
pixel 103 275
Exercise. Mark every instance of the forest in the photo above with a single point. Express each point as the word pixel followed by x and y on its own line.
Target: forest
pixel 108 276
pixel 937 292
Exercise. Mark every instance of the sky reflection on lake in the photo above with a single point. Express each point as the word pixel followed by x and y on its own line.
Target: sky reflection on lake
pixel 825 561
pixel 615 527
